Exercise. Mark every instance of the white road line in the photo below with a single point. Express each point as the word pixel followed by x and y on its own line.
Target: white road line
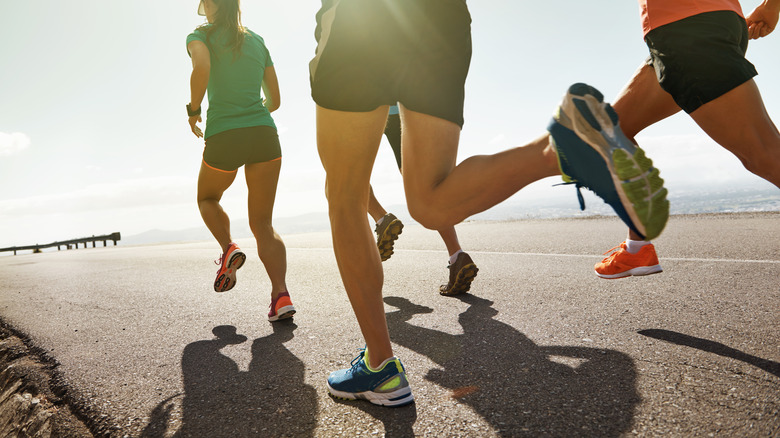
pixel 587 256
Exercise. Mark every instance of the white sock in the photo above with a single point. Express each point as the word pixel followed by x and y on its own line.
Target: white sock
pixel 454 257
pixel 633 246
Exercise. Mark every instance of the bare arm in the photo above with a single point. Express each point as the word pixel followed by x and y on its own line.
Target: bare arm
pixel 271 89
pixel 199 80
pixel 763 20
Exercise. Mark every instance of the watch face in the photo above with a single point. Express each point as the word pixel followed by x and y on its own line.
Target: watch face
pixel 201 9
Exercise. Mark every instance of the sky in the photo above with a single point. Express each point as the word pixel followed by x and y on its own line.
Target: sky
pixel 94 136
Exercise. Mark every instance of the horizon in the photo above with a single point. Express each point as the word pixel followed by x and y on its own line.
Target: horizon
pixel 732 202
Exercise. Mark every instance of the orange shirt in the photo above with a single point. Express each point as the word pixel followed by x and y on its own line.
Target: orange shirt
pixel 656 13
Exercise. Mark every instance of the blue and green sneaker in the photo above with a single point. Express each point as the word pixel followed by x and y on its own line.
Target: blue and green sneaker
pixel 594 153
pixel 386 386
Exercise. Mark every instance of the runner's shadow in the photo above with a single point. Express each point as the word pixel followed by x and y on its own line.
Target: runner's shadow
pixel 767 365
pixel 520 388
pixel 398 422
pixel 270 399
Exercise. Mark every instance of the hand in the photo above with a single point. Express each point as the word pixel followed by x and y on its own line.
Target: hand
pixel 762 21
pixel 194 127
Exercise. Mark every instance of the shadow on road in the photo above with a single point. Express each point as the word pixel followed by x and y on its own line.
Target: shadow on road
pixel 398 422
pixel 520 388
pixel 767 365
pixel 270 399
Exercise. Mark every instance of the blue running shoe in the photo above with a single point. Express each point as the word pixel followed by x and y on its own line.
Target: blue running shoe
pixel 594 153
pixel 386 387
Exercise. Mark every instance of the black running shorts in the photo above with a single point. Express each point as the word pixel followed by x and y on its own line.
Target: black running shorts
pixel 231 149
pixel 379 52
pixel 700 58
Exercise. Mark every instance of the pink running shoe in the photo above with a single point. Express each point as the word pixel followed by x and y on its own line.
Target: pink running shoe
pixel 281 307
pixel 229 262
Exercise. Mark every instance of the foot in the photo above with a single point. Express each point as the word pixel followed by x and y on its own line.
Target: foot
pixel 281 307
pixel 594 153
pixel 229 262
pixel 386 235
pixel 386 386
pixel 462 273
pixel 621 263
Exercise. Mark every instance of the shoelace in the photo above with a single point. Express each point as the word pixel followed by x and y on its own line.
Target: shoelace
pixel 578 186
pixel 356 361
pixel 613 249
pixel 614 252
pixel 218 262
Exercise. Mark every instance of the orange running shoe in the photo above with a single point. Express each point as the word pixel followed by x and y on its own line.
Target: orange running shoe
pixel 622 263
pixel 229 262
pixel 281 307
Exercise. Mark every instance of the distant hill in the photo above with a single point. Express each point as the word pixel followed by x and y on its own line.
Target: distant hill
pixel 309 222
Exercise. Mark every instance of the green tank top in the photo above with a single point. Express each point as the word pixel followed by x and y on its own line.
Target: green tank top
pixel 235 82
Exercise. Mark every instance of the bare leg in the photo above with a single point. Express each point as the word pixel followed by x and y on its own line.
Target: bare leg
pixel 450 238
pixel 211 185
pixel 738 121
pixel 375 209
pixel 440 194
pixel 347 143
pixel 261 179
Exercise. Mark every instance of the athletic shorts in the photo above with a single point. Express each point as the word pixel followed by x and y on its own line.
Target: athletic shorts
pixel 393 134
pixel 231 149
pixel 379 52
pixel 700 58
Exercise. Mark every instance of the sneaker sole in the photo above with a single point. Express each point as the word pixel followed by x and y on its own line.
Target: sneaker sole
pixel 636 181
pixel 395 399
pixel 463 280
pixel 637 272
pixel 386 241
pixel 283 313
pixel 227 279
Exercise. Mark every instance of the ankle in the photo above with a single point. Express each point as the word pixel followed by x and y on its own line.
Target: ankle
pixel 634 246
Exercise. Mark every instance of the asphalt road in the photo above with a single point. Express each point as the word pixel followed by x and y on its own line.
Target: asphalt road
pixel 540 347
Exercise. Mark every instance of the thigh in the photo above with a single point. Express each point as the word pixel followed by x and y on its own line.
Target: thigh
pixel 212 182
pixel 347 143
pixel 430 148
pixel 261 180
pixel 643 102
pixel 738 121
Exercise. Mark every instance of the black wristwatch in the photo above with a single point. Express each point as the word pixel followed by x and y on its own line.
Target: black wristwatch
pixel 192 113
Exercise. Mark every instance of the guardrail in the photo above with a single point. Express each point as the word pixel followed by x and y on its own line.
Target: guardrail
pixel 67 243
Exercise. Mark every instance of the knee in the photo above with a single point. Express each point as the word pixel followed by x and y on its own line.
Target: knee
pixel 763 157
pixel 207 199
pixel 428 216
pixel 261 227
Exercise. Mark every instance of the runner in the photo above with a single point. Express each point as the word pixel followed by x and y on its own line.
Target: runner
pixel 423 48
pixel 697 64
pixel 233 63
pixel 462 269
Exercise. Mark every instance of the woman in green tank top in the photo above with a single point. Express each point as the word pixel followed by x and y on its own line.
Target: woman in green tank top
pixel 233 65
